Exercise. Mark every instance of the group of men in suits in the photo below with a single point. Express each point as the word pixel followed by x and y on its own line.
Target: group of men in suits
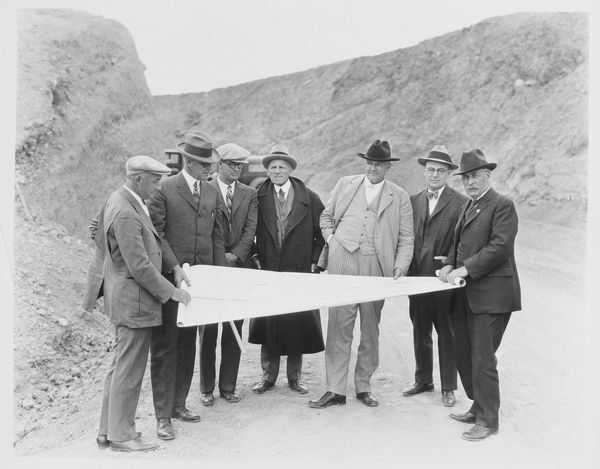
pixel 370 226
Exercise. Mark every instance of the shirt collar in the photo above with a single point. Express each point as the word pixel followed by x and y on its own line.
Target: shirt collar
pixel 285 187
pixel 439 191
pixel 485 192
pixel 223 186
pixel 370 186
pixel 190 180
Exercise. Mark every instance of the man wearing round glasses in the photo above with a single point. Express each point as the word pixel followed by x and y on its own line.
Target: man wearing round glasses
pixel 435 212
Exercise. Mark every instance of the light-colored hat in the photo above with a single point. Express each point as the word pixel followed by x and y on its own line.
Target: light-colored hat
pixel 279 152
pixel 233 152
pixel 198 146
pixel 439 154
pixel 144 164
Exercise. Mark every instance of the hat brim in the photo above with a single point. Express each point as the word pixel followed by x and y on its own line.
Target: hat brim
pixel 267 159
pixel 214 158
pixel 386 160
pixel 490 166
pixel 423 162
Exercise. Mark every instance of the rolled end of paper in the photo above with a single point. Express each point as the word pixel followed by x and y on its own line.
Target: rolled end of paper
pixel 459 282
pixel 437 273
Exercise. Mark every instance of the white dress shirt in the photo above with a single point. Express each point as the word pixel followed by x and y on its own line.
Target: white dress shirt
pixel 372 190
pixel 190 180
pixel 224 187
pixel 433 201
pixel 285 188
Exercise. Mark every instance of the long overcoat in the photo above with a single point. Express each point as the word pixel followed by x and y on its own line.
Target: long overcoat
pixel 301 332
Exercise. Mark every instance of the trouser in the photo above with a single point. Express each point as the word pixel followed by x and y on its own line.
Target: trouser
pixel 269 361
pixel 230 357
pixel 123 383
pixel 172 354
pixel 426 312
pixel 476 340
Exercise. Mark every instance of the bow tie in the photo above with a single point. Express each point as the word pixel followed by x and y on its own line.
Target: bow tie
pixel 432 195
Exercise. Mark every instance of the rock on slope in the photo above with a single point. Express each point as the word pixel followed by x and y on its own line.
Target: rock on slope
pixel 514 86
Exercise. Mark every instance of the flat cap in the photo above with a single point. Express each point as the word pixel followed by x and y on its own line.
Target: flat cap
pixel 144 164
pixel 233 152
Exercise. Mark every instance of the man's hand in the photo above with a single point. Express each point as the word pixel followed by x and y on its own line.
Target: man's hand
pixel 256 261
pixel 440 259
pixel 461 272
pixel 181 296
pixel 443 273
pixel 231 259
pixel 179 276
pixel 397 273
pixel 314 269
pixel 93 228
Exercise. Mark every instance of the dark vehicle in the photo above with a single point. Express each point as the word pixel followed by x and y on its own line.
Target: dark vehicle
pixel 253 173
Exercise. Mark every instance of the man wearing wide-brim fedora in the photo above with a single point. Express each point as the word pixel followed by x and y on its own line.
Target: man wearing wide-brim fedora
pixel 435 213
pixel 483 254
pixel 186 211
pixel 368 225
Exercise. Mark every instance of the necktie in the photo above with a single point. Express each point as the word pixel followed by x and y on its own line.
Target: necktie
pixel 281 197
pixel 432 194
pixel 472 208
pixel 195 192
pixel 229 198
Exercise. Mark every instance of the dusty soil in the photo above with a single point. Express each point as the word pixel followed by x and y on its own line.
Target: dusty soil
pixel 545 412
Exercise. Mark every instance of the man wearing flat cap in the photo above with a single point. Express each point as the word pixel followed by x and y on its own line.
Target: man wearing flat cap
pixel 435 213
pixel 483 253
pixel 240 210
pixel 368 225
pixel 134 290
pixel 288 239
pixel 186 210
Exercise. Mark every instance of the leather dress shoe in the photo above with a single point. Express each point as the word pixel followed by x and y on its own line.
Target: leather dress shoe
pixel 418 388
pixel 207 399
pixel 467 417
pixel 367 399
pixel 164 429
pixel 185 414
pixel 103 442
pixel 230 396
pixel 297 386
pixel 479 432
pixel 260 388
pixel 448 398
pixel 328 399
pixel 137 444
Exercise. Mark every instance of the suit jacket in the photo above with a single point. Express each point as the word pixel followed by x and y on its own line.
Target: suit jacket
pixel 95 279
pixel 133 285
pixel 240 228
pixel 189 233
pixel 301 246
pixel 485 241
pixel 394 235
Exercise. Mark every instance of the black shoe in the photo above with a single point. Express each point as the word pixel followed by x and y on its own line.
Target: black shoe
pixel 103 442
pixel 367 399
pixel 164 429
pixel 184 414
pixel 467 417
pixel 297 386
pixel 329 398
pixel 448 398
pixel 260 388
pixel 207 399
pixel 230 396
pixel 479 432
pixel 417 388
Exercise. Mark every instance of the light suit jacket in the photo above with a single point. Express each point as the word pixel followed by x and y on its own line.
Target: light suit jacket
pixel 394 235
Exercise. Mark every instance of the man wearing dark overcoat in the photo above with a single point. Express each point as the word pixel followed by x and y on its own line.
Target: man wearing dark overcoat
pixel 240 211
pixel 288 239
pixel 133 292
pixel 483 253
pixel 187 212
pixel 435 213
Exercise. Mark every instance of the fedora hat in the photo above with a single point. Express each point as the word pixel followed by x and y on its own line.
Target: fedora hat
pixel 198 146
pixel 378 151
pixel 279 152
pixel 438 154
pixel 472 160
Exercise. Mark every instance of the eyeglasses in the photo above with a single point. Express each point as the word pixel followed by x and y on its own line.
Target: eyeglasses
pixel 439 171
pixel 233 165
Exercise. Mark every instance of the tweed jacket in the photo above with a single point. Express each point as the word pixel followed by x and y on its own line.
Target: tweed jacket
pixel 485 241
pixel 394 235
pixel 240 229
pixel 133 285
pixel 189 233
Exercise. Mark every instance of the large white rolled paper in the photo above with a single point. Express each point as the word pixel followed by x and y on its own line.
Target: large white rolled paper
pixel 459 282
pixel 221 294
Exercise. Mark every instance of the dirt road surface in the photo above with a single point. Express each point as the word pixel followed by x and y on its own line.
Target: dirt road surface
pixel 546 416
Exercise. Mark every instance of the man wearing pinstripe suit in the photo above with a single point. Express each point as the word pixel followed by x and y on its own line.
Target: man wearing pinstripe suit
pixel 483 254
pixel 368 225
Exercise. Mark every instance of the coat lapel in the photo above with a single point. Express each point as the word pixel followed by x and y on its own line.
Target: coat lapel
pixel 137 207
pixel 238 196
pixel 266 209
pixel 482 204
pixel 386 198
pixel 348 196
pixel 299 207
pixel 444 200
pixel 184 190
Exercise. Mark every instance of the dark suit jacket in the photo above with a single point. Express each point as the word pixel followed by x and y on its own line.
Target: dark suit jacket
pixel 240 229
pixel 302 244
pixel 484 241
pixel 133 285
pixel 189 234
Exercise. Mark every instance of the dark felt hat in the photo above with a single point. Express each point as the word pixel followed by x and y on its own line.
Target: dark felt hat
pixel 378 151
pixel 472 160
pixel 198 146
